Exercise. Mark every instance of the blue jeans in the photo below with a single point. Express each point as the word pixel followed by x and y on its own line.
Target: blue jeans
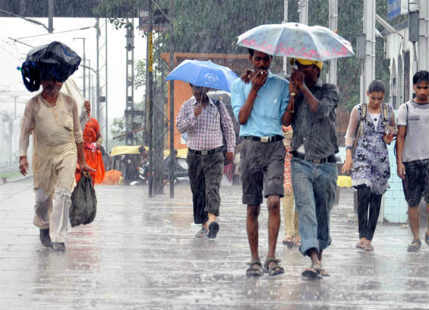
pixel 314 187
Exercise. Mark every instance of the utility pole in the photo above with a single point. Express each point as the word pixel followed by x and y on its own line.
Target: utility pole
pixel 97 74
pixel 333 25
pixel 150 96
pixel 11 121
pixel 51 10
pixel 129 72
pixel 90 85
pixel 83 67
pixel 285 18
pixel 172 48
pixel 303 11
pixel 107 101
pixel 14 107
pixel 423 62
pixel 368 73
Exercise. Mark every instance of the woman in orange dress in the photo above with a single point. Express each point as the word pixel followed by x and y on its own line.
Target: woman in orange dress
pixel 93 156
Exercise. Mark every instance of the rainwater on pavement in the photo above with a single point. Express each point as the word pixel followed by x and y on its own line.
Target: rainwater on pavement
pixel 141 253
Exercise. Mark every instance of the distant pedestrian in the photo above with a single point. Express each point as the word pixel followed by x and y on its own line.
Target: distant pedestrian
pixel 412 153
pixel 292 237
pixel 311 112
pixel 206 122
pixel 260 109
pixel 85 113
pixel 371 127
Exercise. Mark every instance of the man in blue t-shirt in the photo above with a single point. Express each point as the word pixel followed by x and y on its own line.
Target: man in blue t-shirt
pixel 259 102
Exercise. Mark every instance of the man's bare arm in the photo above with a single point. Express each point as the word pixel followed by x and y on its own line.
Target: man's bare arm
pixel 400 139
pixel 258 80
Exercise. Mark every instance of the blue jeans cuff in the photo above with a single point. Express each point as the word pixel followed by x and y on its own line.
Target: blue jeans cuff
pixel 307 245
pixel 323 244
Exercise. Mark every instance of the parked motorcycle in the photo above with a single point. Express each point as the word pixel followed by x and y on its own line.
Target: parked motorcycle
pixel 180 172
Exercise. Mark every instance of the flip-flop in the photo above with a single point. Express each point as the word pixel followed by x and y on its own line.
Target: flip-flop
pixel 213 230
pixel 311 273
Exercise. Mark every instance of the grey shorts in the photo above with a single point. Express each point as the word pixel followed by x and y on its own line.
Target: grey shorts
pixel 416 182
pixel 262 169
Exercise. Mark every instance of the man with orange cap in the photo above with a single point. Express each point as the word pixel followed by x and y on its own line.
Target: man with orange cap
pixel 311 112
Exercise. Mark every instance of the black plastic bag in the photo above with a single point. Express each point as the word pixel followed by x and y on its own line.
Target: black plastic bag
pixel 84 202
pixel 54 61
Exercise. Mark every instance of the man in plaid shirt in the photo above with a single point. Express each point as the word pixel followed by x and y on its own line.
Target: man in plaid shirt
pixel 207 124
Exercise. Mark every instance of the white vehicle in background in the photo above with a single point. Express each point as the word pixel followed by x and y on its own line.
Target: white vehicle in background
pixel 225 97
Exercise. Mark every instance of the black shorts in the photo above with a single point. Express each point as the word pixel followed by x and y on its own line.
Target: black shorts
pixel 262 169
pixel 416 182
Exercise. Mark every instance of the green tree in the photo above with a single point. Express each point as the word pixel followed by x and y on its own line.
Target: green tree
pixel 213 27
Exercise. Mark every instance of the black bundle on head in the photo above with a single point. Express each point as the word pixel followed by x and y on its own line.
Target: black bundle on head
pixel 55 61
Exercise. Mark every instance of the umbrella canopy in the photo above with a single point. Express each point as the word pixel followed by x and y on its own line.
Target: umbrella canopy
pixel 204 73
pixel 297 41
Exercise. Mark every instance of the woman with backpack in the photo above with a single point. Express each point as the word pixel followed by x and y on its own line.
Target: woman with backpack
pixel 371 127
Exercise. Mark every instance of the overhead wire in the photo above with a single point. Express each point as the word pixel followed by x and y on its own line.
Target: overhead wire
pixel 54 33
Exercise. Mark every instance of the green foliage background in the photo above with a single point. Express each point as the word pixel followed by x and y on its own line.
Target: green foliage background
pixel 213 26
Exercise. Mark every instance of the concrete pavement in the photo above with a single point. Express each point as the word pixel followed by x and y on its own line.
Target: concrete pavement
pixel 141 254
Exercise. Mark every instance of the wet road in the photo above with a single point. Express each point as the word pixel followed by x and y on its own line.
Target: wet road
pixel 141 254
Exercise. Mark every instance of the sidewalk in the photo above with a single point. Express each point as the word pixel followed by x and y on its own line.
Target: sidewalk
pixel 141 254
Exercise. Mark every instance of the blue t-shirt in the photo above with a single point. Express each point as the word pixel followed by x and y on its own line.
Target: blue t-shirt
pixel 268 108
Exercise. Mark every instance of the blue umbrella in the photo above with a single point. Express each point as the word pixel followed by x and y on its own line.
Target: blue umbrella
pixel 204 73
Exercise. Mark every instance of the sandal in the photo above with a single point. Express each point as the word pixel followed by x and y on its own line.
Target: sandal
pixel 414 246
pixel 272 266
pixel 369 247
pixel 201 233
pixel 289 242
pixel 324 273
pixel 298 241
pixel 255 269
pixel 360 245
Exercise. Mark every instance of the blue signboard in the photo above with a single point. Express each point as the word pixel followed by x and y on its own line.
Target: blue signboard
pixel 393 8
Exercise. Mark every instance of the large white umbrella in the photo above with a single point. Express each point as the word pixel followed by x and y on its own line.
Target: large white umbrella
pixel 296 40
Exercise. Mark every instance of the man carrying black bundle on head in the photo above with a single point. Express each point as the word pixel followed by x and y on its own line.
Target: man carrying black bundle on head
pixel 52 118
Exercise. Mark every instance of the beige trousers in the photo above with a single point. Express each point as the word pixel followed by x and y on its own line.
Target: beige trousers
pixel 52 209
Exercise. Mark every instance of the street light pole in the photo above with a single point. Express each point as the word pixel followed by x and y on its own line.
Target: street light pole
pixel 84 63
pixel 303 11
pixel 423 34
pixel 172 153
pixel 369 61
pixel 51 10
pixel 106 94
pixel 333 25
pixel 97 77
pixel 150 99
pixel 285 15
